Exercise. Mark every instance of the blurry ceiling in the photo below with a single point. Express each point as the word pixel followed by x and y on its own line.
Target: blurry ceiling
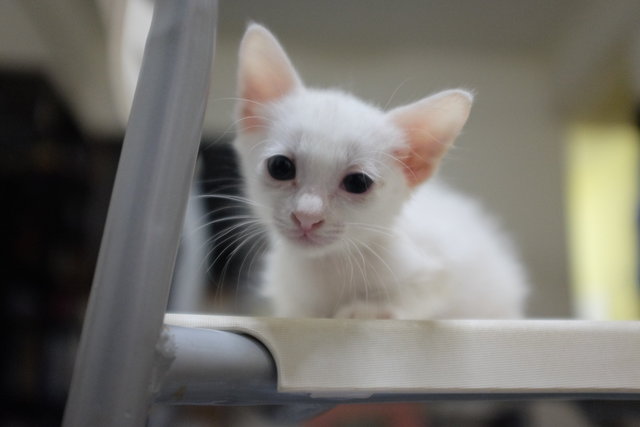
pixel 505 25
pixel 514 26
pixel 66 38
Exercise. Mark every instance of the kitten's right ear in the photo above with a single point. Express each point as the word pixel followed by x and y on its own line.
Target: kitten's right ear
pixel 265 74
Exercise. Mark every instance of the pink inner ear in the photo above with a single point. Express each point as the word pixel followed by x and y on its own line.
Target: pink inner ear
pixel 429 127
pixel 250 120
pixel 265 75
pixel 253 94
pixel 262 88
pixel 420 158
pixel 418 164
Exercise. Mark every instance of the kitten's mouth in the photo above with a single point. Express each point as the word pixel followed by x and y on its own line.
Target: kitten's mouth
pixel 310 239
pixel 307 239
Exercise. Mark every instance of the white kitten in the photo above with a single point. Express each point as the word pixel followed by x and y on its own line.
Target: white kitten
pixel 355 230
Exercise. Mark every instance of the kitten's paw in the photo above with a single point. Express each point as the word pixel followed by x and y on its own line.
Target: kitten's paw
pixel 365 310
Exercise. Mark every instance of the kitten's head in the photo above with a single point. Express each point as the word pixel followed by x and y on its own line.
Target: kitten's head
pixel 326 170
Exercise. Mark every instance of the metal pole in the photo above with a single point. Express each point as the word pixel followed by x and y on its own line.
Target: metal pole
pixel 114 371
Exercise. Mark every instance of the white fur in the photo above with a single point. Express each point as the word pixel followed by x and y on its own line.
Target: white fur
pixel 443 258
pixel 401 250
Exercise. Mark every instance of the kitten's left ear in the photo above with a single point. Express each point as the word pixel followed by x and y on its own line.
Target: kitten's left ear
pixel 430 126
pixel 265 74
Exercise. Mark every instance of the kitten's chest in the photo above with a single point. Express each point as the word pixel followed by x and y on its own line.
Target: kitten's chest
pixel 310 286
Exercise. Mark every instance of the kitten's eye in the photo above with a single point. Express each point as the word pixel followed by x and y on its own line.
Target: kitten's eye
pixel 281 168
pixel 357 183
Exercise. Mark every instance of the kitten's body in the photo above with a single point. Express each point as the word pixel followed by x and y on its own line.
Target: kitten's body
pixel 442 258
pixel 392 245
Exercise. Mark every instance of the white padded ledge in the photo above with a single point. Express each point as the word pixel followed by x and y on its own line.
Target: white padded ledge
pixel 327 357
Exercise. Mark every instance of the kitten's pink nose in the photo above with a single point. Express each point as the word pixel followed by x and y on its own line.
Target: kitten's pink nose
pixel 307 222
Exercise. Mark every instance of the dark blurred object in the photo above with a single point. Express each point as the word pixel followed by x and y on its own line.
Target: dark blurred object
pixel 235 246
pixel 48 251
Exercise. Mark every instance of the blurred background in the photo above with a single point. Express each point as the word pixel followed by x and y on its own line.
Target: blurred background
pixel 551 147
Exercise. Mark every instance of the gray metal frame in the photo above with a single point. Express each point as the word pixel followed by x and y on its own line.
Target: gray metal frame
pixel 210 367
pixel 113 378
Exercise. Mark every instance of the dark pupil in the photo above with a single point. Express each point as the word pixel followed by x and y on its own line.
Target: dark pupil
pixel 357 183
pixel 281 168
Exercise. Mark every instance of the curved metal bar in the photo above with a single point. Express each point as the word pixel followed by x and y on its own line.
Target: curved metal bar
pixel 209 367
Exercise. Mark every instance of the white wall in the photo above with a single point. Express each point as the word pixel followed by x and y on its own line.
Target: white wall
pixel 510 155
